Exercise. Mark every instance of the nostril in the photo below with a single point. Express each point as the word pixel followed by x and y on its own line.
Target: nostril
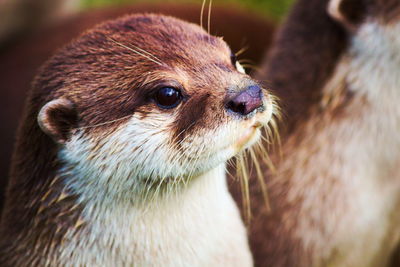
pixel 246 101
pixel 237 107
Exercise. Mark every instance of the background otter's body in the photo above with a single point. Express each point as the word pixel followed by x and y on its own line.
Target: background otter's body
pixel 336 190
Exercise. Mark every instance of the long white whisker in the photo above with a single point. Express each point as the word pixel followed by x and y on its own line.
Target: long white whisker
pixel 201 13
pixel 101 124
pixel 260 177
pixel 209 17
pixel 137 52
pixel 147 53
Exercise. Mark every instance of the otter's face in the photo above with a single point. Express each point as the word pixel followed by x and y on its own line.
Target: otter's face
pixel 145 98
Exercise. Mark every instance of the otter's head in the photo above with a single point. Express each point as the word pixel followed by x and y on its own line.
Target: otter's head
pixel 147 98
pixel 370 64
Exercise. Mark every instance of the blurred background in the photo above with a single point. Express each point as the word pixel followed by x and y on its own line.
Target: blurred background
pixel 31 30
pixel 21 16
pixel 270 8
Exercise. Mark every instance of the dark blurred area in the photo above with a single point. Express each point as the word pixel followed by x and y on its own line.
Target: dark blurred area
pixel 42 26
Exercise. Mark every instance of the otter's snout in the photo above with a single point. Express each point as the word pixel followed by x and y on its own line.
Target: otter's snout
pixel 245 101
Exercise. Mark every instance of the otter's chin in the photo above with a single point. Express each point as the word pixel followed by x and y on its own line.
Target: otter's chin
pixel 249 137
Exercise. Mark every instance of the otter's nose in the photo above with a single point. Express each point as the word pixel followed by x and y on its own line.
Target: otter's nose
pixel 246 101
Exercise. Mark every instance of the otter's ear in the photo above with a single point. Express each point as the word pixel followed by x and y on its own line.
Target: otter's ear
pixel 57 119
pixel 349 13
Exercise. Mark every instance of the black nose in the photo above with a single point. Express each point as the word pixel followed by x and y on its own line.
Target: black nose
pixel 246 101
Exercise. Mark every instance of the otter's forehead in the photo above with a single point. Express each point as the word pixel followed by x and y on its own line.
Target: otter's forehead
pixel 169 39
pixel 122 52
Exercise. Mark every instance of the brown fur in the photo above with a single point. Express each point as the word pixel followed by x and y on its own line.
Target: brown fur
pixel 387 10
pixel 357 11
pixel 319 42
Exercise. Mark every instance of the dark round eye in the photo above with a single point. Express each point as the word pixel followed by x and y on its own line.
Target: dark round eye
pixel 168 97
pixel 233 59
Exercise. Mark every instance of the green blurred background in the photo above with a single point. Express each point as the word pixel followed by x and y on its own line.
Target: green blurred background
pixel 274 9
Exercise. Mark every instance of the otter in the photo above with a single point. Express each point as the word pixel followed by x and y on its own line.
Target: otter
pixel 335 192
pixel 19 62
pixel 120 155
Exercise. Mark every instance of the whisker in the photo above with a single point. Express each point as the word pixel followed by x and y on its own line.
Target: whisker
pixel 209 17
pixel 231 162
pixel 101 124
pixel 266 139
pixel 176 157
pixel 147 53
pixel 244 184
pixel 244 60
pixel 266 159
pixel 181 132
pixel 195 160
pixel 137 52
pixel 242 50
pixel 260 178
pixel 276 136
pixel 252 67
pixel 202 12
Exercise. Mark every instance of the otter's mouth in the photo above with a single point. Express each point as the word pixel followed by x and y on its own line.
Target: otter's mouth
pixel 252 130
pixel 250 135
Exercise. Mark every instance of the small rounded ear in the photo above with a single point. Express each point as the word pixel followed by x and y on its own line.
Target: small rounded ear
pixel 349 13
pixel 57 119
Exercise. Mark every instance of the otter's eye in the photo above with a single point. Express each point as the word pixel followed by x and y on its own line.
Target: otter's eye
pixel 168 97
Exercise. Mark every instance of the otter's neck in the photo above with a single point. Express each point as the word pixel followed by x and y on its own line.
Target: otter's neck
pixel 194 225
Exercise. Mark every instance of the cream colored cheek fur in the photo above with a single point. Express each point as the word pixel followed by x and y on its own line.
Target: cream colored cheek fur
pixel 117 161
pixel 142 151
pixel 362 179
